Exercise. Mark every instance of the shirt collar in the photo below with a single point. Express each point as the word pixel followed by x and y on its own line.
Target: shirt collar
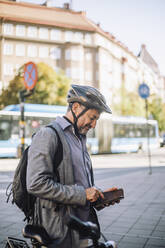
pixel 63 122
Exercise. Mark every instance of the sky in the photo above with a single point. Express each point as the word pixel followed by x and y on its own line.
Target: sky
pixel 132 22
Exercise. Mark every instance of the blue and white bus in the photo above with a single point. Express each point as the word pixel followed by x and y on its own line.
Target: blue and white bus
pixel 111 135
pixel 36 116
pixel 119 134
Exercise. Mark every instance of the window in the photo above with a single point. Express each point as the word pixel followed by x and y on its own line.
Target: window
pixel 55 34
pixel 88 76
pixel 68 54
pixel 74 54
pixel 8 69
pixel 5 129
pixel 43 33
pixel 55 53
pixel 20 50
pixel 78 36
pixel 68 72
pixel 43 52
pixel 32 31
pixel 69 36
pixel 99 40
pixel 8 49
pixel 81 74
pixel 120 130
pixel 32 51
pixel 77 73
pixel 17 66
pixel 8 28
pixel 20 30
pixel 88 39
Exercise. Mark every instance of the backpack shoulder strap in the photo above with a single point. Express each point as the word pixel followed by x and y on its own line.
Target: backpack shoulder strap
pixel 59 152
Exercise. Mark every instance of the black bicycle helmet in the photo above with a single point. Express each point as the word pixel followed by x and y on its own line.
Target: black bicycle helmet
pixel 89 97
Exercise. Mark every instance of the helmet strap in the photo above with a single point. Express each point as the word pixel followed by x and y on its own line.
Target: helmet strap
pixel 76 119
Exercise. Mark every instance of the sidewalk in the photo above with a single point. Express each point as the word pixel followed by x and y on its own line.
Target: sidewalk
pixel 137 222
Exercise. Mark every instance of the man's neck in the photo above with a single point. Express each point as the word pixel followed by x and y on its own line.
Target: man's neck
pixel 70 120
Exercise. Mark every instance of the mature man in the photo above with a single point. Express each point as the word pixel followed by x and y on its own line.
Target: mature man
pixel 72 190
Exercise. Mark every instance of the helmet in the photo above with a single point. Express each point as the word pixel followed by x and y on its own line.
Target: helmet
pixel 89 97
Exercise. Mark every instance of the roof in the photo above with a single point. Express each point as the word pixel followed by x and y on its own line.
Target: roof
pixel 51 16
pixel 25 12
pixel 147 59
pixel 42 108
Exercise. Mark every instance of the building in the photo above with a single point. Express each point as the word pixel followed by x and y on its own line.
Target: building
pixel 65 40
pixel 150 74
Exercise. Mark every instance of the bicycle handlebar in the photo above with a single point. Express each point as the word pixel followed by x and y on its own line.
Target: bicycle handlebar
pixel 87 229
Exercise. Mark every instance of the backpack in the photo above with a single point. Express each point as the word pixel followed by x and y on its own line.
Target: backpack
pixel 24 200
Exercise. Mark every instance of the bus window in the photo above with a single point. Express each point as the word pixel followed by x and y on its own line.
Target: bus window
pixel 138 131
pixel 119 130
pixel 151 131
pixel 130 131
pixel 5 130
pixel 15 130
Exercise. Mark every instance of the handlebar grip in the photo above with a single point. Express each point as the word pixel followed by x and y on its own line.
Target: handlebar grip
pixel 86 229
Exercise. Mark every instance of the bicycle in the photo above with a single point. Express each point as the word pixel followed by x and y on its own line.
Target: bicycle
pixel 40 238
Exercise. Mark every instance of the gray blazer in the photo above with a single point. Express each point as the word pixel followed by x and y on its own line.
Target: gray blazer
pixel 42 182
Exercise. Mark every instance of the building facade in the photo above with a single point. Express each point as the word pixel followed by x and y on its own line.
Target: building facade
pixel 67 40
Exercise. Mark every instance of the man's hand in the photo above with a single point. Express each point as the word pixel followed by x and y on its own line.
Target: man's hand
pixel 112 203
pixel 92 194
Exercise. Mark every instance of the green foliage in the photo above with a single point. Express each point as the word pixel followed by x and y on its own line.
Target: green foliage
pixel 157 110
pixel 51 88
pixel 11 94
pixel 130 105
pixel 133 105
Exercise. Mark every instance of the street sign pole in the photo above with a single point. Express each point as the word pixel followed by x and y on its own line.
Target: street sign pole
pixel 148 138
pixel 144 92
pixel 30 79
pixel 22 123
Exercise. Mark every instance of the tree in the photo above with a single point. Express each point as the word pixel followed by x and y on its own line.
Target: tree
pixel 157 110
pixel 130 104
pixel 51 87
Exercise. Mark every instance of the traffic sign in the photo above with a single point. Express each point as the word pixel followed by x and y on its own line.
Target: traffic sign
pixel 144 90
pixel 30 75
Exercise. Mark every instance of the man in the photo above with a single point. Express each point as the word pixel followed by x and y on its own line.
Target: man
pixel 75 190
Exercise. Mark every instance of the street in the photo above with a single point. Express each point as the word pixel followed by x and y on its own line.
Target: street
pixel 138 221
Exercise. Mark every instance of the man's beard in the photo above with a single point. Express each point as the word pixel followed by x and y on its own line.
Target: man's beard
pixel 83 130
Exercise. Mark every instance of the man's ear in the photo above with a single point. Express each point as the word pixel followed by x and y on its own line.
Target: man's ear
pixel 75 107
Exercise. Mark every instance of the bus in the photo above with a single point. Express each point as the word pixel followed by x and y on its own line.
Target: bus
pixel 36 116
pixel 124 134
pixel 113 134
